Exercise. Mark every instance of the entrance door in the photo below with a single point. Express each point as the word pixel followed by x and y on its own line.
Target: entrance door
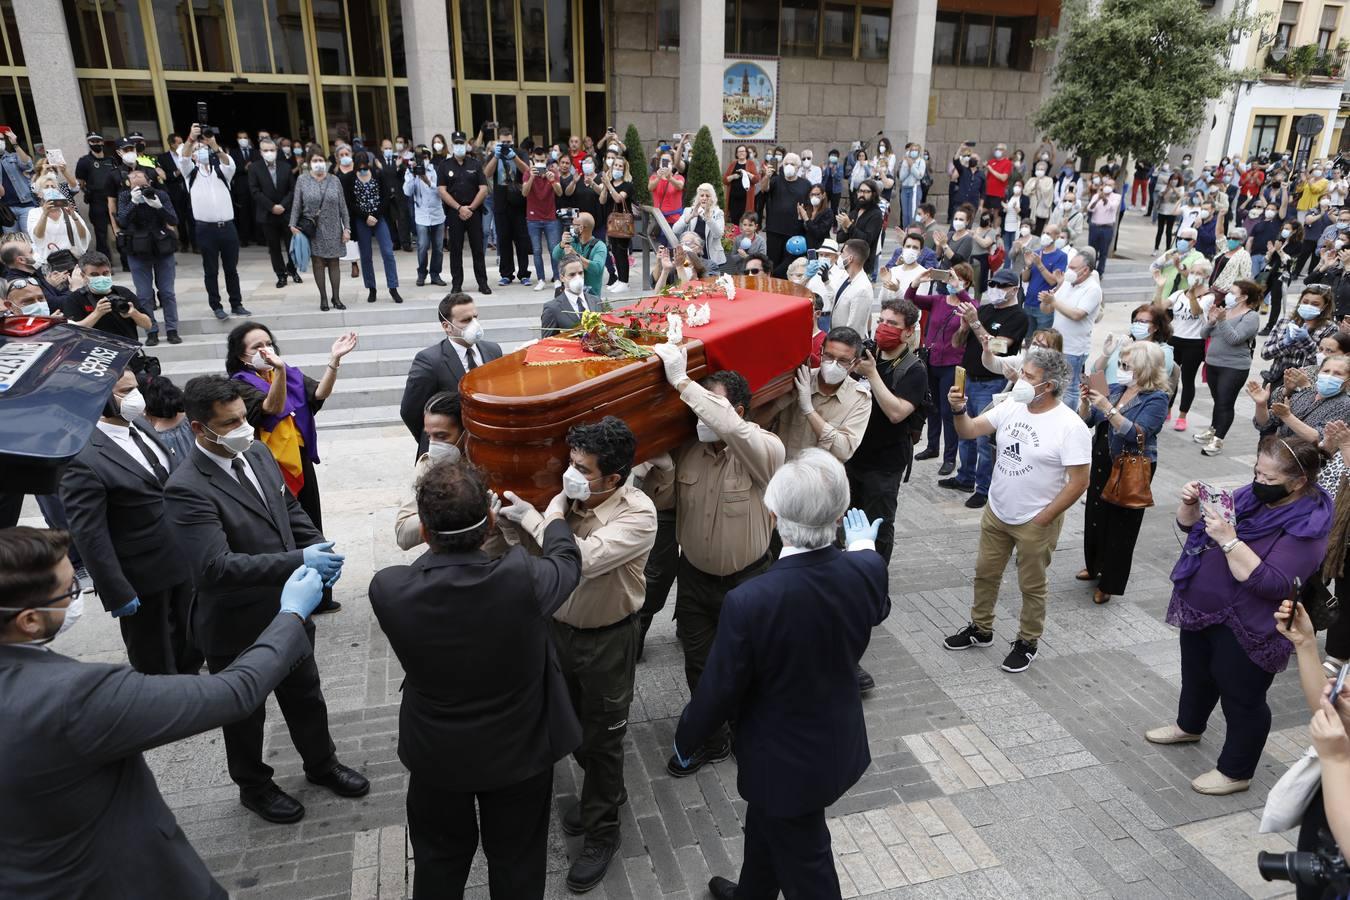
pixel 282 112
pixel 545 117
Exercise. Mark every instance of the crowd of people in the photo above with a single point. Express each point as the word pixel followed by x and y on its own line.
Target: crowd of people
pixel 196 513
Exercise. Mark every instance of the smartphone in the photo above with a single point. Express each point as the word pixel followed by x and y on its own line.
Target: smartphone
pixel 812 255
pixel 998 346
pixel 56 157
pixel 942 275
pixel 961 379
pixel 1221 500
pixel 1097 381
pixel 1340 683
pixel 676 136
pixel 202 117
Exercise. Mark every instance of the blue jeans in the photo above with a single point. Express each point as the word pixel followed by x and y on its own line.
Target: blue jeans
pixel 544 236
pixel 1258 263
pixel 380 232
pixel 1076 364
pixel 149 273
pixel 977 455
pixel 489 222
pixel 909 204
pixel 20 218
pixel 1099 239
pixel 1038 321
pixel 429 240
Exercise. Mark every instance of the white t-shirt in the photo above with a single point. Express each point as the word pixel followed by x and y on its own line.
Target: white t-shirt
pixel 1033 452
pixel 1184 323
pixel 1077 333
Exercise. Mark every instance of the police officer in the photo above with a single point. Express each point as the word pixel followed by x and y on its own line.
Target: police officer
pixel 90 172
pixel 129 159
pixel 463 189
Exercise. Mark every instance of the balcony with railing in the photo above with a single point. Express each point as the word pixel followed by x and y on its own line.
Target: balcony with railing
pixel 1306 64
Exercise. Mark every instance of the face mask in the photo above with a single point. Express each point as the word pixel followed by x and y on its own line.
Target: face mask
pixel 1070 277
pixel 100 284
pixel 1061 243
pixel 258 363
pixel 72 612
pixel 957 285
pixel 706 434
pixel 576 487
pixel 1321 358
pixel 1183 245
pixel 95 148
pixel 473 333
pixel 399 146
pixel 815 200
pixel 1139 330
pixel 888 336
pixel 614 174
pixel 995 295
pixel 363 174
pixel 1317 173
pixel 1229 300
pixel 1270 213
pixel 132 405
pixel 789 170
pixel 834 160
pixel 438 146
pixel 269 156
pixel 1329 385
pixel 440 451
pixel 286 152
pixel 1017 189
pixel 1195 280
pixel 1046 240
pixel 202 155
pixel 1124 376
pixel 998 154
pixel 318 168
pixel 388 153
pixel 1233 243
pixel 1324 203
pixel 1040 170
pixel 1269 493
pixel 129 158
pixel 52 194
pixel 344 161
pixel 1204 214
pixel 553 155
pixel 909 255
pixel 832 372
pixel 1339 243
pixel 1341 226
pixel 1023 391
pixel 41 308
pixel 243 143
pixel 959 225
pixel 1307 312
pixel 965 160
pixel 1284 233
pixel 236 441
pixel 588 167
pixel 576 284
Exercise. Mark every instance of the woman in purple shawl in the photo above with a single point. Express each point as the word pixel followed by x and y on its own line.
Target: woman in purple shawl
pixel 281 402
pixel 1228 583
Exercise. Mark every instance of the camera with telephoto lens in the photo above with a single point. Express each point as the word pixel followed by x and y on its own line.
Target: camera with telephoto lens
pixel 567 215
pixel 120 305
pixel 1301 867
pixel 870 346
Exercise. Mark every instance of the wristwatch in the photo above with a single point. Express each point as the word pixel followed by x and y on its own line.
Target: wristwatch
pixel 1112 412
pixel 1228 547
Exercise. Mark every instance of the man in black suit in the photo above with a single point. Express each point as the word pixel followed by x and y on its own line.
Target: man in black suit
pixel 242 533
pixel 244 155
pixel 272 185
pixel 797 631
pixel 572 299
pixel 485 710
pixel 113 492
pixel 441 366
pixel 80 815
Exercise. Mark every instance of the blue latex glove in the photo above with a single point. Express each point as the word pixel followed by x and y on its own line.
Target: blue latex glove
pixel 857 528
pixel 320 558
pixel 127 610
pixel 812 268
pixel 302 593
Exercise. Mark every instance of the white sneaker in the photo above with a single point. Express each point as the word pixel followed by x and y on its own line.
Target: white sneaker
pixel 539 285
pixel 1205 436
pixel 1213 448
pixel 618 287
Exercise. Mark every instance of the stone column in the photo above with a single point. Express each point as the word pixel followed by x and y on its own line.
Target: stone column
pixel 911 66
pixel 702 48
pixel 426 42
pixel 51 75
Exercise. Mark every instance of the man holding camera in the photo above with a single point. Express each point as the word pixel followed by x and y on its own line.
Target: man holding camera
pixel 507 171
pixel 103 306
pixel 209 171
pixel 118 180
pixel 147 216
pixel 463 187
pixel 580 239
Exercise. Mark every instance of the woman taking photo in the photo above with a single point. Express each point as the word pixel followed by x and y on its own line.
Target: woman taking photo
pixel 704 218
pixel 1292 344
pixel 1127 420
pixel 1278 254
pixel 944 320
pixel 281 403
pixel 740 178
pixel 320 212
pixel 1230 330
pixel 1302 408
pixel 1169 204
pixel 372 226
pixel 614 189
pixel 1190 307
pixel 1040 192
pixel 56 224
pixel 1227 585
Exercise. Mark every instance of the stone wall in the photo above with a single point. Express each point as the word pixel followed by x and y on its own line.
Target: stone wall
pixel 643 79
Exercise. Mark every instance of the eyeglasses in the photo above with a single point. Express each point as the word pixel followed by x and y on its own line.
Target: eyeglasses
pixel 756 271
pixel 70 594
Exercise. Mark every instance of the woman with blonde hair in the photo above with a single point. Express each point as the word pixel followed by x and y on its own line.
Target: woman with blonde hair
pixel 56 224
pixel 1127 420
pixel 704 218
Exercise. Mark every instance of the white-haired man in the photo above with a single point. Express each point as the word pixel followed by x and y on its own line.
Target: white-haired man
pixel 1041 469
pixel 782 667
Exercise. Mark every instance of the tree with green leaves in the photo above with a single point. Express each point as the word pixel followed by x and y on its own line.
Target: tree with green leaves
pixel 1133 76
pixel 704 168
pixel 637 165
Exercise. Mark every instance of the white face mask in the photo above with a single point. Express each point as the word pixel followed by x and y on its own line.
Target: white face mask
pixel 909 255
pixel 236 442
pixel 1024 231
pixel 72 612
pixel 1230 300
pixel 995 295
pixel 1023 391
pixel 440 451
pixel 815 200
pixel 472 333
pixel 1321 358
pixel 258 363
pixel 129 158
pixel 1124 376
pixel 243 143
pixel 202 155
pixel 132 405
pixel 1195 280
pixel 959 225
pixel 576 487
pixel 437 146
pixel 789 170
pixel 318 168
pixel 1070 277
pixel 576 284
pixel 832 372
pixel 269 156
pixel 706 434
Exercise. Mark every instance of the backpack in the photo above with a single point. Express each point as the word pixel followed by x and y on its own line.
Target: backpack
pixel 192 177
pixel 915 421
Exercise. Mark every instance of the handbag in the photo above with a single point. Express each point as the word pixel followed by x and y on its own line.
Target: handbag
pixel 1323 607
pixel 1128 484
pixel 1288 800
pixel 308 226
pixel 619 224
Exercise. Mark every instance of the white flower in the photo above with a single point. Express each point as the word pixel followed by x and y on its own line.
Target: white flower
pixel 727 286
pixel 674 328
pixel 695 316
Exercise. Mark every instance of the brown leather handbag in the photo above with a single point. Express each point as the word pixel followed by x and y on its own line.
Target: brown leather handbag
pixel 619 224
pixel 1128 484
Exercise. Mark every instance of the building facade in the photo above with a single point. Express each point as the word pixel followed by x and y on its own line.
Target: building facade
pixel 935 71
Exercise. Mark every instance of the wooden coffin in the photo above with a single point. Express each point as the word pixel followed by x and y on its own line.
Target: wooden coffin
pixel 517 416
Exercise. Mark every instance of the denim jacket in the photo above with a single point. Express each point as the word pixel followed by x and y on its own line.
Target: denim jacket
pixel 1148 409
pixel 19 174
pixel 428 209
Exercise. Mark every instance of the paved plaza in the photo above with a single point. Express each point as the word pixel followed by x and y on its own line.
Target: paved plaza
pixel 982 784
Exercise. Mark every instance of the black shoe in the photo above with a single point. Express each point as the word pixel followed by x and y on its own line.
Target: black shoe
pixel 970 636
pixel 295 276
pixel 342 780
pixel 323 306
pixel 1019 660
pixel 865 681
pixel 274 805
pixel 152 339
pixel 436 279
pixel 330 606
pixel 947 468
pixel 926 454
pixel 174 338
pixel 484 289
pixel 338 304
pixel 393 292
pixel 1263 332
pixel 977 501
pixel 589 868
pixel 722 888
pixel 281 282
pixel 571 820
pixel 421 282
pixel 239 311
pixel 370 296
pixel 220 314
pixel 704 755
pixel 952 484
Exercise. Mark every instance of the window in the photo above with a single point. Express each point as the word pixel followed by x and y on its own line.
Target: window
pixel 1284 30
pixel 1326 32
pixel 87 20
pixel 991 42
pixel 668 25
pixel 758 27
pixel 836 33
pixel 799 30
pixel 1265 129
pixel 874 33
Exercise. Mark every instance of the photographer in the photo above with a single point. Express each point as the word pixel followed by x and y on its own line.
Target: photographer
pixel 147 216
pixel 542 190
pixel 580 239
pixel 507 170
pixel 55 225
pixel 103 306
pixel 420 183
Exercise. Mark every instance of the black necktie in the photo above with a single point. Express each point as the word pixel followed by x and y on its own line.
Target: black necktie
pixel 468 355
pixel 238 465
pixel 581 304
pixel 149 455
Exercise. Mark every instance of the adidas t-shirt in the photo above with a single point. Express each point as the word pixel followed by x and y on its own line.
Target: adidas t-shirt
pixel 1030 459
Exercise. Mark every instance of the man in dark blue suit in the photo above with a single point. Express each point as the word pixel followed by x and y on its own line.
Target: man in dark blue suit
pixel 783 668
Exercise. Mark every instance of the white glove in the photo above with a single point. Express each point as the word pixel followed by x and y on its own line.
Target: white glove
pixel 137 197
pixel 557 507
pixel 153 201
pixel 494 503
pixel 803 382
pixel 676 362
pixel 515 513
pixel 662 462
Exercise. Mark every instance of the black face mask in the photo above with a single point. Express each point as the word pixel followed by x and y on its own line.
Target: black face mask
pixel 1269 493
pixel 95 148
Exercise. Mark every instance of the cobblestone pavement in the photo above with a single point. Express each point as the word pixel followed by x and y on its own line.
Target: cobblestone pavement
pixel 982 784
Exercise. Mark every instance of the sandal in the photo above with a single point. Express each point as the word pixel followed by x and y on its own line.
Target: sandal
pixel 1085 575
